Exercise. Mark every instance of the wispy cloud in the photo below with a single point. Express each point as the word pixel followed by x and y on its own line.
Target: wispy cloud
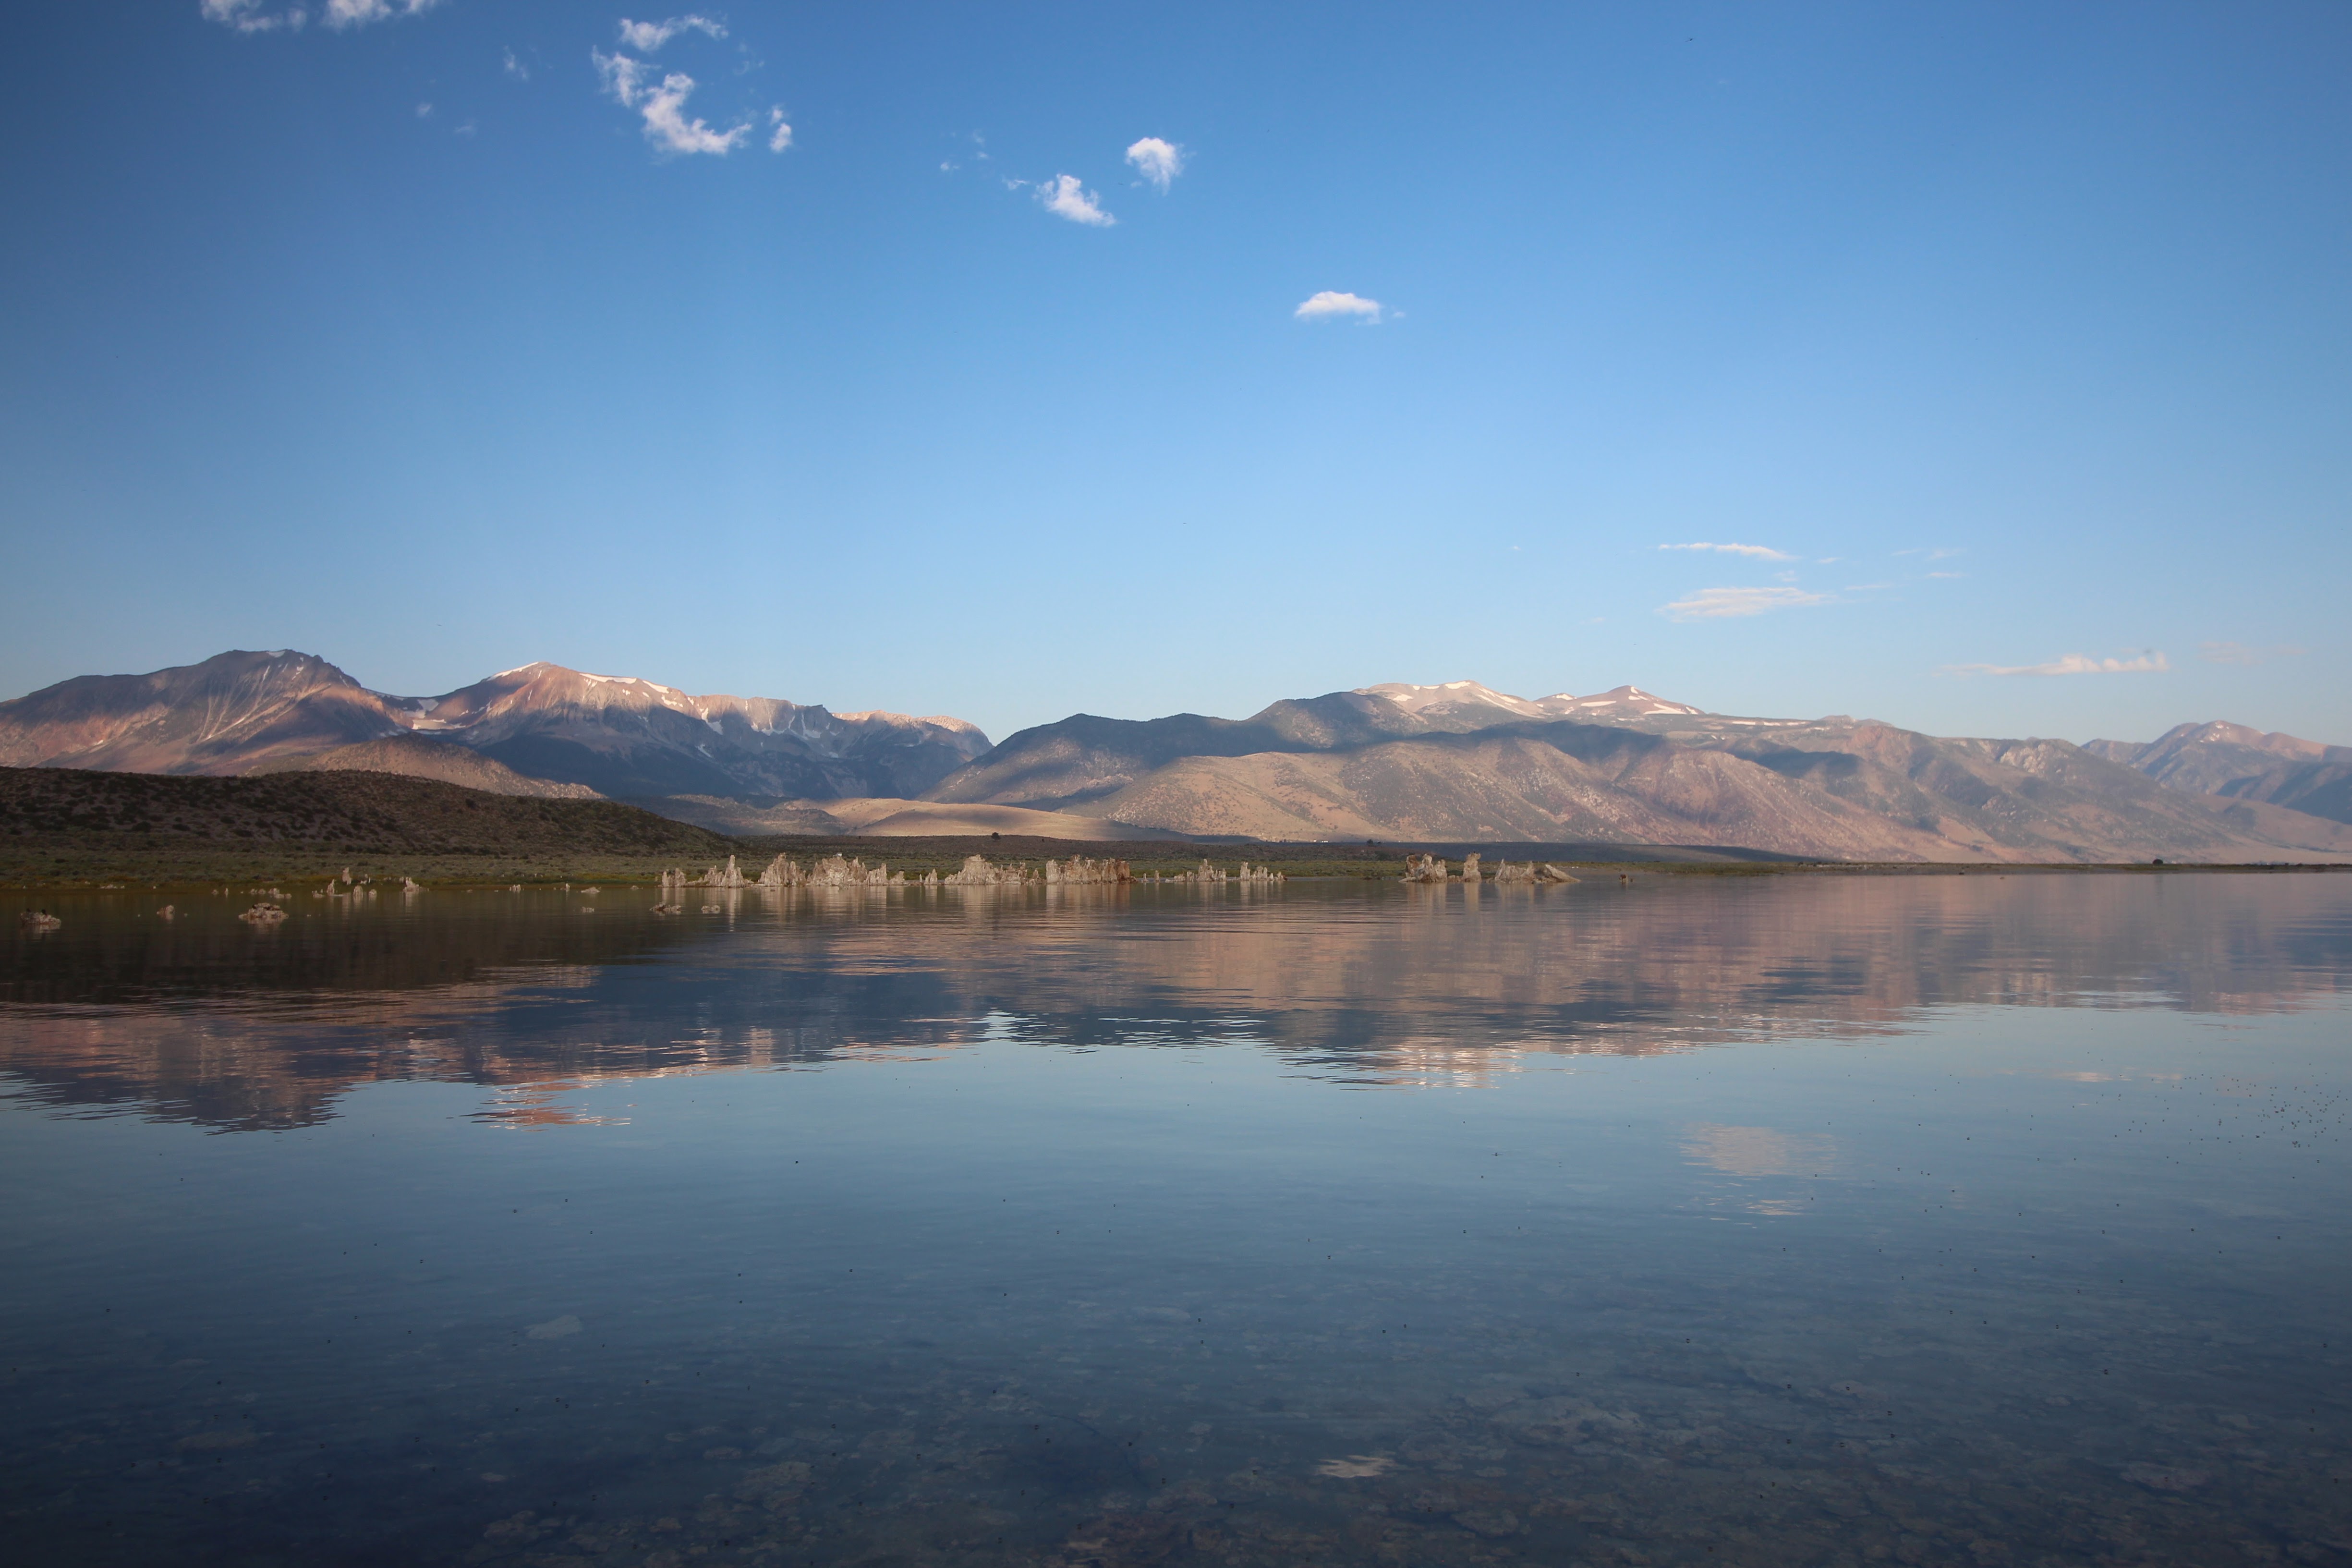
pixel 251 16
pixel 646 36
pixel 623 76
pixel 1330 304
pixel 1064 197
pixel 2239 653
pixel 663 107
pixel 247 16
pixel 516 68
pixel 359 13
pixel 1760 552
pixel 779 133
pixel 2149 663
pixel 1157 161
pixel 1723 603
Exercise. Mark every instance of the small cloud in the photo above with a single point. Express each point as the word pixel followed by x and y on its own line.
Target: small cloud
pixel 1947 574
pixel 646 36
pixel 1937 553
pixel 2239 653
pixel 515 67
pixel 1867 587
pixel 623 77
pixel 1759 552
pixel 247 16
pixel 1330 302
pixel 1157 161
pixel 663 107
pixel 2149 663
pixel 341 13
pixel 1064 197
pixel 1723 603
pixel 779 135
pixel 465 130
pixel 424 111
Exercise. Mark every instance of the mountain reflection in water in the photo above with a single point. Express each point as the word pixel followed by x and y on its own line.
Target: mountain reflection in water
pixel 1815 1219
pixel 1360 984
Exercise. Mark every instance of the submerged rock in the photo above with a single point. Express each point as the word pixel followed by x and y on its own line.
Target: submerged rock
pixel 263 915
pixel 38 920
pixel 1548 872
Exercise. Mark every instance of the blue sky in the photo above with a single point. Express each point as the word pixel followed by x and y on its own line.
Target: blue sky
pixel 844 353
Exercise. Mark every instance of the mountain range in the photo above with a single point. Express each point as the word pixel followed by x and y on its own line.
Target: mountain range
pixel 2239 763
pixel 517 732
pixel 1456 761
pixel 1461 762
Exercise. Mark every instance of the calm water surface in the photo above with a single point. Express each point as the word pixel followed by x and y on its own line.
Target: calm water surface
pixel 1976 1220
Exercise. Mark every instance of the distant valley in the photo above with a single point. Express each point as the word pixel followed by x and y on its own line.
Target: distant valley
pixel 1456 763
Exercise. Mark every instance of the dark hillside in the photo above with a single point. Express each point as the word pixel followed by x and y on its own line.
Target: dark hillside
pixel 75 809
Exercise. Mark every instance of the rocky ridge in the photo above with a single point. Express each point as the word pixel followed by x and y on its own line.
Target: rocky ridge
pixel 614 736
pixel 1461 762
pixel 2237 763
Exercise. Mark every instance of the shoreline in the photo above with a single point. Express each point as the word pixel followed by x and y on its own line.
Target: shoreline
pixel 203 868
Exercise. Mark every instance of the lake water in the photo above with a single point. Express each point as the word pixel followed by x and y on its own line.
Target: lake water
pixel 1975 1219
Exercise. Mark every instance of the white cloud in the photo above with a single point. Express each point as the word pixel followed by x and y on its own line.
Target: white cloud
pixel 1157 161
pixel 663 106
pixel 424 111
pixel 247 16
pixel 359 13
pixel 2149 663
pixel 622 75
pixel 646 36
pixel 1064 195
pixel 780 136
pixel 516 68
pixel 1330 302
pixel 2239 653
pixel 1723 603
pixel 1760 552
pixel 667 127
